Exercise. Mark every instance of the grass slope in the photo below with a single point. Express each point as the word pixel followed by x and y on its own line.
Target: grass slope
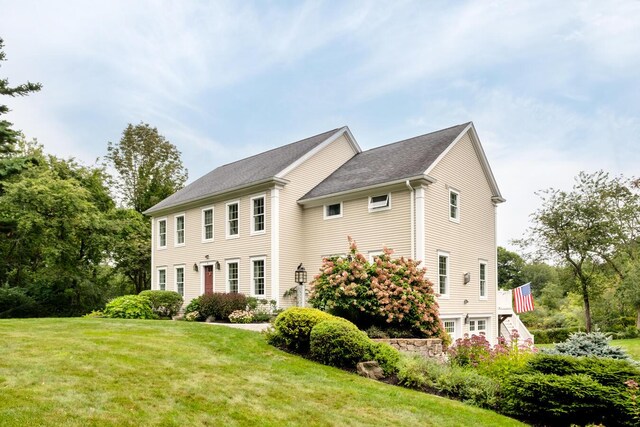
pixel 78 372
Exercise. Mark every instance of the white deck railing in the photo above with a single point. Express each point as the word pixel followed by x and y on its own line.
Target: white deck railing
pixel 505 307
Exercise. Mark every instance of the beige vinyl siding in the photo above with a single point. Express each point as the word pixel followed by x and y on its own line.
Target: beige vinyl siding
pixel 293 244
pixel 194 251
pixel 468 241
pixel 372 231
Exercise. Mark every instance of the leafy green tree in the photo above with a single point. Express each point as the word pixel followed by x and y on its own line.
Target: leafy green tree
pixel 585 228
pixel 8 136
pixel 510 266
pixel 131 248
pixel 148 167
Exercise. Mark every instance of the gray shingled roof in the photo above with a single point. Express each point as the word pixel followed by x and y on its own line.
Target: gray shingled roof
pixel 243 172
pixel 393 162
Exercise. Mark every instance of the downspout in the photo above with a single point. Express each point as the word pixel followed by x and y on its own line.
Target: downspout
pixel 413 221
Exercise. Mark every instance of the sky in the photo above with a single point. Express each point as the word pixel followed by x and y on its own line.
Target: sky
pixel 553 88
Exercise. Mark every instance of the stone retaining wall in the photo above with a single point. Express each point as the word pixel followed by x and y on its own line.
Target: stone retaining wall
pixel 426 347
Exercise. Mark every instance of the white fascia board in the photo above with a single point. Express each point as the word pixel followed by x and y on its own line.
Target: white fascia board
pixel 356 192
pixel 484 163
pixel 343 131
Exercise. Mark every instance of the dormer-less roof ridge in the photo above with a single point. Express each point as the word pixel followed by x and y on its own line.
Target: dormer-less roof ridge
pixel 245 172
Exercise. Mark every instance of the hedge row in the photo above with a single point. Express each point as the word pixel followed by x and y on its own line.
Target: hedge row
pixel 552 335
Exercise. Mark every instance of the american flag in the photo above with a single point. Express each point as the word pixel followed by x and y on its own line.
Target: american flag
pixel 523 298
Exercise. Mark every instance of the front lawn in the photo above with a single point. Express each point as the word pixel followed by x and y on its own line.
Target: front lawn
pixel 78 372
pixel 631 346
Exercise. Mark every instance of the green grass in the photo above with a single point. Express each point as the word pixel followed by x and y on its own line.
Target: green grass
pixel 79 372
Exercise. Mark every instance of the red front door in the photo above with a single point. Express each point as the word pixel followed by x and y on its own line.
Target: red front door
pixel 208 279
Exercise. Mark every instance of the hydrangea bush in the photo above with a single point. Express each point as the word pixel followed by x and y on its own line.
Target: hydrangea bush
pixel 388 291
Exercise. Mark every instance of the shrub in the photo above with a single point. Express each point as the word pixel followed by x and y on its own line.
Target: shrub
pixel 470 351
pixel 220 305
pixel 130 307
pixel 606 371
pixel 452 381
pixel 94 314
pixel 588 344
pixel 164 303
pixel 501 359
pixel 292 328
pixel 550 399
pixel 552 335
pixel 338 342
pixel 241 316
pixel 194 307
pixel 386 356
pixel 388 291
pixel 192 316
pixel 14 302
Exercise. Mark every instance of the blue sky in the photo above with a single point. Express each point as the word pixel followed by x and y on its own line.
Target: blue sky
pixel 552 87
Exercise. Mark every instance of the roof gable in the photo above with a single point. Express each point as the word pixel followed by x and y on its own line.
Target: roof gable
pixel 245 172
pixel 401 160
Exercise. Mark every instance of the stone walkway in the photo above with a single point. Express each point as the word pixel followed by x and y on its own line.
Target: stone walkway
pixel 256 327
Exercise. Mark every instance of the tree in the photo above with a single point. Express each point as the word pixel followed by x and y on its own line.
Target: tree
pixel 131 247
pixel 148 166
pixel 585 228
pixel 8 136
pixel 510 266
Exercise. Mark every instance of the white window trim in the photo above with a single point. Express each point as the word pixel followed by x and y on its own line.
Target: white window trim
pixel 166 276
pixel 166 233
pixel 227 286
pixel 457 218
pixel 252 224
pixel 486 325
pixel 184 229
pixel 448 281
pixel 264 277
pixel 373 254
pixel 226 226
pixel 213 228
pixel 380 208
pixel 184 278
pixel 324 211
pixel 457 322
pixel 486 289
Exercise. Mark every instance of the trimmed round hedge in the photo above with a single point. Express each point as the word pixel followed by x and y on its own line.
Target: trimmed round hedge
pixel 164 303
pixel 292 327
pixel 338 342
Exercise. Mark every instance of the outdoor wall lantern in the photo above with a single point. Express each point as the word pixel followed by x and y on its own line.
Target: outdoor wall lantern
pixel 467 278
pixel 217 265
pixel 195 267
pixel 466 319
pixel 301 278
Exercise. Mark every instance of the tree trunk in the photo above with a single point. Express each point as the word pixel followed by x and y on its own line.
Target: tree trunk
pixel 587 307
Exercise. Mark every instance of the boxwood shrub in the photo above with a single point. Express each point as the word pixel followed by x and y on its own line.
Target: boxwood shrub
pixel 338 342
pixel 387 357
pixel 164 303
pixel 130 307
pixel 292 328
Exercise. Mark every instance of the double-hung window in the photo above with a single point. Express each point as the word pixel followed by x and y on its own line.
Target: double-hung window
pixel 207 225
pixel 179 230
pixel 162 279
pixel 232 276
pixel 257 215
pixel 233 222
pixel 454 206
pixel 257 276
pixel 483 279
pixel 443 274
pixel 180 280
pixel 162 233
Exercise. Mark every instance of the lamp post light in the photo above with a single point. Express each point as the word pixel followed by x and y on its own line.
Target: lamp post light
pixel 301 279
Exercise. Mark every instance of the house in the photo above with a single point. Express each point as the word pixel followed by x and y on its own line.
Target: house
pixel 246 226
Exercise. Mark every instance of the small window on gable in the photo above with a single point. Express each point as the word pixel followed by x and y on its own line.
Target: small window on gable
pixel 377 203
pixel 454 206
pixel 333 211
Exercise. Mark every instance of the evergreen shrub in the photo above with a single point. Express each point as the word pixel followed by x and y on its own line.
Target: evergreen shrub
pixel 165 304
pixel 292 328
pixel 588 344
pixel 14 302
pixel 552 335
pixel 338 342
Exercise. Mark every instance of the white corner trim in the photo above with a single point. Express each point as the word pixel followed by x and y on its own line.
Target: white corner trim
pixel 153 252
pixel 420 224
pixel 275 245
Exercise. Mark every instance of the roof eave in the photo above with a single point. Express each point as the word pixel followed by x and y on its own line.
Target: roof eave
pixel 228 193
pixel 415 181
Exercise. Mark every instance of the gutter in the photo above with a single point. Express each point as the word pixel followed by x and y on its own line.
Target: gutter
pixel 413 220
